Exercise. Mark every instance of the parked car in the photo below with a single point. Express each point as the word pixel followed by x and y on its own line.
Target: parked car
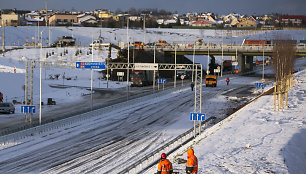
pixel 7 108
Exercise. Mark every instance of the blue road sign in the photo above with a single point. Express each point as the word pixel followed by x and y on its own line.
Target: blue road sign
pixel 90 65
pixel 197 116
pixel 28 109
pixel 258 85
pixel 161 80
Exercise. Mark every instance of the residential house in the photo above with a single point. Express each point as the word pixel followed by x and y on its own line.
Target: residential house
pixel 211 19
pixel 11 19
pixel 160 21
pixel 252 18
pixel 107 15
pixel 294 20
pixel 203 23
pixel 37 21
pixel 170 21
pixel 63 19
pixel 234 22
pixel 247 24
pixel 134 18
pixel 87 20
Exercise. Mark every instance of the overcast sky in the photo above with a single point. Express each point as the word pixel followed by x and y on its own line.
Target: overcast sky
pixel 250 7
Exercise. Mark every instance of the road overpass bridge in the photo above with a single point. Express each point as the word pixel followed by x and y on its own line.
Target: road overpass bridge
pixel 244 54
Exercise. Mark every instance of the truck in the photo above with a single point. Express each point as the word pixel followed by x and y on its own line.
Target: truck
pixel 227 65
pixel 99 44
pixel 211 80
pixel 162 43
pixel 141 78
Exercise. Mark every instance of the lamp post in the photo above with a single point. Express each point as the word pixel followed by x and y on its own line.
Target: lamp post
pixel 128 57
pixel 40 59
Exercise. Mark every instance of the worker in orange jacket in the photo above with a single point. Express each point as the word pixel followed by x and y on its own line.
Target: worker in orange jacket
pixel 192 162
pixel 227 80
pixel 164 165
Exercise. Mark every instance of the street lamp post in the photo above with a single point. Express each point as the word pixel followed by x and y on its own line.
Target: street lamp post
pixel 40 59
pixel 128 57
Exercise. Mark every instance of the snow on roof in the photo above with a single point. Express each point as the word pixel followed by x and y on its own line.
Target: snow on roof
pixel 37 19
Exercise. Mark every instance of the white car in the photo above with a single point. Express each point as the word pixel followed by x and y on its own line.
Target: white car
pixel 7 108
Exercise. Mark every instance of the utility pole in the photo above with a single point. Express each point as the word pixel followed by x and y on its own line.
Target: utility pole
pixel 193 62
pixel 128 43
pixel 222 61
pixel 175 66
pixel 3 36
pixel 154 74
pixel 47 23
pixel 91 72
pixel 144 28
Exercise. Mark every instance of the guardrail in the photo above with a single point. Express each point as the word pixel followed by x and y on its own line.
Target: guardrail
pixel 14 137
pixel 219 47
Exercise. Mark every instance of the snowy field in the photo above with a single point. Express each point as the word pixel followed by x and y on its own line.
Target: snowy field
pixel 256 140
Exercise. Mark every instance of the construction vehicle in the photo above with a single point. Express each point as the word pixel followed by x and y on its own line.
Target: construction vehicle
pixel 211 80
pixel 162 43
pixel 198 42
pixel 138 44
pixel 141 78
pixel 64 41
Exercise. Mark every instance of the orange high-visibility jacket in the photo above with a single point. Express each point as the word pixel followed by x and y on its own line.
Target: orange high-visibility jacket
pixel 192 161
pixel 164 166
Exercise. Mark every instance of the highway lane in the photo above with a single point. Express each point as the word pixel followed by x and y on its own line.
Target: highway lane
pixel 110 142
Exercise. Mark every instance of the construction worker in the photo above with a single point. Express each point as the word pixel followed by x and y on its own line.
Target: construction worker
pixel 192 162
pixel 1 97
pixel 227 80
pixel 164 165
pixel 192 86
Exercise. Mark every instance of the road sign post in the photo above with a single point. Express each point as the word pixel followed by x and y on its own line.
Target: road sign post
pixel 163 81
pixel 259 85
pixel 90 65
pixel 182 77
pixel 197 117
pixel 28 109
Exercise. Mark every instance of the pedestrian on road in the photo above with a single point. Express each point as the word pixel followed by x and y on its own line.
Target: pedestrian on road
pixel 1 97
pixel 192 86
pixel 164 165
pixel 192 162
pixel 227 80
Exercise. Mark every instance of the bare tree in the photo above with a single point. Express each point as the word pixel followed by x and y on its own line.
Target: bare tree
pixel 283 60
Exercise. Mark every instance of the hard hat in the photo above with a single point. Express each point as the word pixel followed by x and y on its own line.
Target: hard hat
pixel 163 155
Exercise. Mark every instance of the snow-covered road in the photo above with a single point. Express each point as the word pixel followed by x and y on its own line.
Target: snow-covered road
pixel 112 141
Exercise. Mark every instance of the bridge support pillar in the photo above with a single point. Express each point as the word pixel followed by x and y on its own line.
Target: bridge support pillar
pixel 249 63
pixel 241 62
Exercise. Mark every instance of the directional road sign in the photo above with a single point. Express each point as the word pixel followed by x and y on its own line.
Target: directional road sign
pixel 28 109
pixel 161 80
pixel 90 65
pixel 146 66
pixel 197 116
pixel 258 85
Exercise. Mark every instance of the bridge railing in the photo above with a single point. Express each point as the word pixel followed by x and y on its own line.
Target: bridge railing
pixel 218 47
